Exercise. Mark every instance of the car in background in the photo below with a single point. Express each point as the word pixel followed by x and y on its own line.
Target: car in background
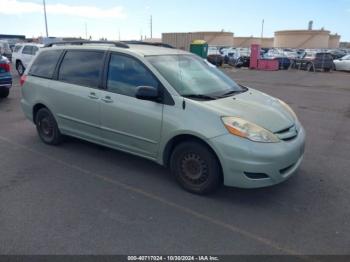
pixel 313 61
pixel 228 54
pixel 23 55
pixel 342 64
pixel 241 58
pixel 337 53
pixel 283 61
pixel 5 49
pixel 214 56
pixel 5 77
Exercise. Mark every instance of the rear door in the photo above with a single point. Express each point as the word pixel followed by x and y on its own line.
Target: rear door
pixel 26 56
pixel 128 123
pixel 76 94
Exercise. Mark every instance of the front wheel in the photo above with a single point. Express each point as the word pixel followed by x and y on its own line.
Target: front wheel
pixel 47 127
pixel 4 92
pixel 196 168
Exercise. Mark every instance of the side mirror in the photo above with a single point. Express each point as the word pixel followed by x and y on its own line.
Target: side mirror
pixel 149 93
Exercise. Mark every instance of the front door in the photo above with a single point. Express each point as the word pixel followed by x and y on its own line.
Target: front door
pixel 128 123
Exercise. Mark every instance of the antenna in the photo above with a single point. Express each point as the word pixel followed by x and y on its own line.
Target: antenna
pixel 262 28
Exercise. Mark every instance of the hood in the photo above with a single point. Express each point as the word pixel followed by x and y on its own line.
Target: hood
pixel 255 107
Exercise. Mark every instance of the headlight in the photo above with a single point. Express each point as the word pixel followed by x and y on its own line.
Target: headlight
pixel 289 109
pixel 242 128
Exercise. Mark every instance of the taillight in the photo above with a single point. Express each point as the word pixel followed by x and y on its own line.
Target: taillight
pixel 22 80
pixel 6 67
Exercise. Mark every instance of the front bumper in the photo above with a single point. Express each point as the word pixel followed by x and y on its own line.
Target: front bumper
pixel 269 164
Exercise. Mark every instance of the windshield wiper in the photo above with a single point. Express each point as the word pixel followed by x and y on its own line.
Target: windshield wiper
pixel 233 92
pixel 199 96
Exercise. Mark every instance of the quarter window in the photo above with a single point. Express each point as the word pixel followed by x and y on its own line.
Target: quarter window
pixel 81 68
pixel 17 48
pixel 125 74
pixel 45 64
pixel 34 50
pixel 27 50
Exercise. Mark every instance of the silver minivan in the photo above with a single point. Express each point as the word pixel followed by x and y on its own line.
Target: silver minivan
pixel 168 106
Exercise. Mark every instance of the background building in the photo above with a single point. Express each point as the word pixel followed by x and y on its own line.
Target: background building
pixel 303 39
pixel 306 39
pixel 248 41
pixel 184 40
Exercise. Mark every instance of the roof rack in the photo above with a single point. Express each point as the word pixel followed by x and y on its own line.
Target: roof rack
pixel 135 42
pixel 83 42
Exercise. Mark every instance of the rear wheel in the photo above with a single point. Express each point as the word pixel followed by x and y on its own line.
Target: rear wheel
pixel 4 92
pixel 196 168
pixel 20 68
pixel 47 128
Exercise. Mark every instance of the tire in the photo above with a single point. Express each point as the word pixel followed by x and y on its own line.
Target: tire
pixel 310 68
pixel 20 68
pixel 47 127
pixel 196 168
pixel 4 92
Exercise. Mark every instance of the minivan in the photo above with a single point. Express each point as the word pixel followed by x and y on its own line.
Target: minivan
pixel 165 105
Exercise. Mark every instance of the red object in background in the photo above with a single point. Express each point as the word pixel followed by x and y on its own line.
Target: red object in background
pixel 6 66
pixel 268 64
pixel 261 64
pixel 254 56
pixel 22 80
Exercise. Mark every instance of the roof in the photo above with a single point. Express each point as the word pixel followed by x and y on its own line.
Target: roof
pixel 30 44
pixel 139 49
pixel 146 50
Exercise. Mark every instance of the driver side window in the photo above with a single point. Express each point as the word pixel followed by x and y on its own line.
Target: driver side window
pixel 126 74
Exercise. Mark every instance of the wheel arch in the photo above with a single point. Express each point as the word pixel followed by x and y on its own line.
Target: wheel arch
pixel 180 138
pixel 36 108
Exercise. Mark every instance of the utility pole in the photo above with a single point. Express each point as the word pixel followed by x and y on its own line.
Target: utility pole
pixel 262 28
pixel 151 26
pixel 47 31
pixel 86 34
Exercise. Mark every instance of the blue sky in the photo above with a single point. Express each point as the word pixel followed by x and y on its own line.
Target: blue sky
pixel 106 18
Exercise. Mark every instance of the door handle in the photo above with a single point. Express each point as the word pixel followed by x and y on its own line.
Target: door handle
pixel 93 96
pixel 107 99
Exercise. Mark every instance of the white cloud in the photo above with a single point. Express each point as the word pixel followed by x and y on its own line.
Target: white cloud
pixel 14 7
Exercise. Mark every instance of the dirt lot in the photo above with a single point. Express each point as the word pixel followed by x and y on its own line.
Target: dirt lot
pixel 80 198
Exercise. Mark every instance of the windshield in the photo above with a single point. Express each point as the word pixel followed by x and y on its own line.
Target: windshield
pixel 191 75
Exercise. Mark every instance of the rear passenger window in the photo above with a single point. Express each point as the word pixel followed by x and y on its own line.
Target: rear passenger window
pixel 81 68
pixel 45 64
pixel 125 74
pixel 27 50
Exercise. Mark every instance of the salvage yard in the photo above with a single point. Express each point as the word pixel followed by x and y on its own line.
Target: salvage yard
pixel 79 198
